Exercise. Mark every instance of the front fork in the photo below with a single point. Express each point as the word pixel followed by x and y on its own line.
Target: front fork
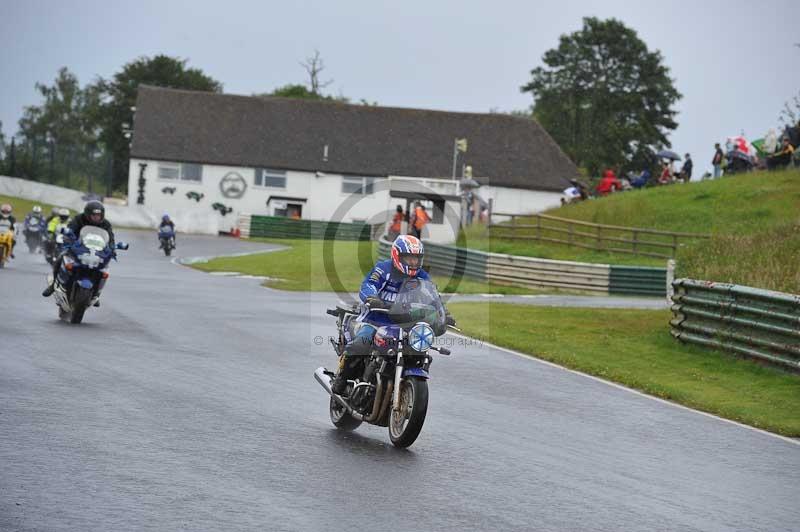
pixel 398 376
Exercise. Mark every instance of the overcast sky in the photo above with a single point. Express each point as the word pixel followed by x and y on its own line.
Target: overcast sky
pixel 734 62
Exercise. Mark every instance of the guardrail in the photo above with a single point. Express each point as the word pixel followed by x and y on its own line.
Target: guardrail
pixel 531 272
pixel 645 242
pixel 251 225
pixel 756 323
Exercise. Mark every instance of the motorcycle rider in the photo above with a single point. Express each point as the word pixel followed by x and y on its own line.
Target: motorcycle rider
pixel 94 214
pixel 166 221
pixel 53 214
pixel 380 287
pixel 7 222
pixel 36 213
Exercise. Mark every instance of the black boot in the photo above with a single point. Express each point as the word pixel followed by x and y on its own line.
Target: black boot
pixel 339 384
pixel 49 290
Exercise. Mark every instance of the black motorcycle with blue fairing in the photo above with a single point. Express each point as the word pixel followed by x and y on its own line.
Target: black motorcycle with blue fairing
pixel 166 238
pixel 35 230
pixel 392 389
pixel 83 272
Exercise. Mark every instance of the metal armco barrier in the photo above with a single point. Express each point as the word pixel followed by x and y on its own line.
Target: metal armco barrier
pixel 530 272
pixel 748 321
pixel 252 226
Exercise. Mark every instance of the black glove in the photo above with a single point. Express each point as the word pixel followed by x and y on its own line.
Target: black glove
pixel 374 302
pixel 450 320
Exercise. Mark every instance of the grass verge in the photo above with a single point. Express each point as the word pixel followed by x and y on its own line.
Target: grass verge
pixel 753 218
pixel 311 265
pixel 634 348
pixel 22 206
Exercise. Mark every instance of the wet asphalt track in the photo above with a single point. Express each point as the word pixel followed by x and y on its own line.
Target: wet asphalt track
pixel 187 402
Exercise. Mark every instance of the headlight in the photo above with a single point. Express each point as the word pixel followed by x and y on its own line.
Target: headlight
pixel 420 337
pixel 89 260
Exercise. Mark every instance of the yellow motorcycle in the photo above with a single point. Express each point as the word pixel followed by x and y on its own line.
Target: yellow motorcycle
pixel 6 244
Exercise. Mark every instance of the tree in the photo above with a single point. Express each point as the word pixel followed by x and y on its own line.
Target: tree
pixel 118 94
pixel 604 97
pixel 314 66
pixel 2 146
pixel 61 125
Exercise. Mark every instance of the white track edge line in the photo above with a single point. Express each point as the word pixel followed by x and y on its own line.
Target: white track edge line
pixel 533 358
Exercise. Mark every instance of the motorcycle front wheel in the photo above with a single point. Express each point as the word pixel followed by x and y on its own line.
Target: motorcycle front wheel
pixel 340 418
pixel 406 423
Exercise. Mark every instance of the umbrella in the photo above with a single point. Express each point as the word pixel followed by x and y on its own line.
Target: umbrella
pixel 469 183
pixel 667 154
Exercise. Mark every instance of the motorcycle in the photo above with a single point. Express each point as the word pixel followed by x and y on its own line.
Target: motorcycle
pixel 392 390
pixel 34 230
pixel 54 244
pixel 6 241
pixel 83 273
pixel 166 235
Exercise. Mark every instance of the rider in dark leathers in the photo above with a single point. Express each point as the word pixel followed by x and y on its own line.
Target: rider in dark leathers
pixel 94 214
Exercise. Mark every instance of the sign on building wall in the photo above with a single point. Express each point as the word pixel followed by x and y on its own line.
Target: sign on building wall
pixel 233 185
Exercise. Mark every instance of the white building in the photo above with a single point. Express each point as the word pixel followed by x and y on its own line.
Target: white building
pixel 218 155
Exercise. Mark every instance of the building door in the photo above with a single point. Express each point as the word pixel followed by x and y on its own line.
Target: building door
pixel 294 211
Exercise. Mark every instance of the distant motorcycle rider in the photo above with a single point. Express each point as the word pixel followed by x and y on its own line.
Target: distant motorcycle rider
pixel 379 288
pixel 166 221
pixel 60 217
pixel 36 212
pixel 7 223
pixel 94 214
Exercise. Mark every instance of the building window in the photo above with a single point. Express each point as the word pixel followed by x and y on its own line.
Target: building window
pixel 191 172
pixel 358 185
pixel 180 172
pixel 270 178
pixel 169 171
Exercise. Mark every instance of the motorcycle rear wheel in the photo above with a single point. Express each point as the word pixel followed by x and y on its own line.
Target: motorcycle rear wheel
pixel 340 418
pixel 405 425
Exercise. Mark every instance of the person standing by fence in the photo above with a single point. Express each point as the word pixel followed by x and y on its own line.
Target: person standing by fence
pixel 717 161
pixel 418 221
pixel 396 226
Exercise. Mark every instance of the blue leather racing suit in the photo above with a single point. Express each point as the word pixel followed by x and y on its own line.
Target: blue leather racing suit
pixel 383 281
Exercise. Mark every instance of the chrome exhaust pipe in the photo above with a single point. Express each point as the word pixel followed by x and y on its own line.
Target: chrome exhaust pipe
pixel 376 404
pixel 325 382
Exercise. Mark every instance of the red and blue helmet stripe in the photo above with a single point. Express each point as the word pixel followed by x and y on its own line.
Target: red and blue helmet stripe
pixel 403 247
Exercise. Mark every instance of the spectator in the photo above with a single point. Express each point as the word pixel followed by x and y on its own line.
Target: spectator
pixel 397 223
pixel 608 184
pixel 571 195
pixel 641 180
pixel 686 169
pixel 717 160
pixel 470 201
pixel 782 158
pixel 665 178
pixel 418 221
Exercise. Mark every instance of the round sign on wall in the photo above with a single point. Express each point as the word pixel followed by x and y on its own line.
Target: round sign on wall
pixel 233 185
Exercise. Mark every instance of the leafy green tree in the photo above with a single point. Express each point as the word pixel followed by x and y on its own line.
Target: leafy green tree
pixel 115 117
pixel 2 147
pixel 59 130
pixel 604 97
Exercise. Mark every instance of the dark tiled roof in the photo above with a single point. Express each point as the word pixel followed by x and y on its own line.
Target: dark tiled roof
pixel 188 126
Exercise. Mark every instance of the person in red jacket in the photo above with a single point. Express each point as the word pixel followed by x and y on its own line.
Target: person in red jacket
pixel 608 184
